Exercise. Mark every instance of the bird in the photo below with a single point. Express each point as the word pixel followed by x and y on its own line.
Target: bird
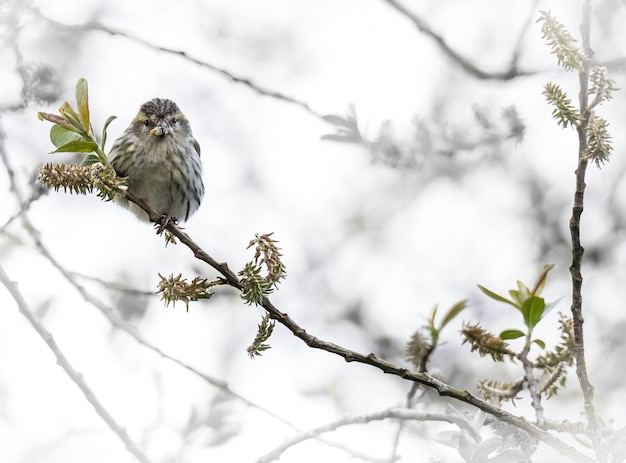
pixel 160 158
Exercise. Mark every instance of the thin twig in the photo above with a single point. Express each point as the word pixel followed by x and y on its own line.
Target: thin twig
pixel 402 414
pixel 411 399
pixel 370 359
pixel 96 26
pixel 511 73
pixel 75 376
pixel 517 49
pixel 531 381
pixel 577 249
pixel 113 286
pixel 130 329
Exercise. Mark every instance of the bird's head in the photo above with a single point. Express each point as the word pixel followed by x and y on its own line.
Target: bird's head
pixel 160 118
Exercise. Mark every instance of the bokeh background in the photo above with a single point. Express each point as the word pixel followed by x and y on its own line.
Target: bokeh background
pixel 465 180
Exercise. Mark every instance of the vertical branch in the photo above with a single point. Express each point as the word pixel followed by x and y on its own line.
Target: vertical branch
pixel 531 381
pixel 574 226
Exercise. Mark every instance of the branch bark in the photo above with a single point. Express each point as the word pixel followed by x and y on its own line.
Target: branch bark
pixel 371 359
pixel 577 249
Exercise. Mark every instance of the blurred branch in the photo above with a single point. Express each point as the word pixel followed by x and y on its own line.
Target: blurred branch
pixel 113 286
pixel 353 356
pixel 402 414
pixel 75 376
pixel 517 50
pixel 120 323
pixel 574 226
pixel 96 26
pixel 468 66
pixel 131 330
pixel 38 193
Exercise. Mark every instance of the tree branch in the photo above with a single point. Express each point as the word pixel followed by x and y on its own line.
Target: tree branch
pixel 531 381
pixel 96 26
pixel 577 249
pixel 369 359
pixel 75 376
pixel 401 414
pixel 511 73
pixel 121 324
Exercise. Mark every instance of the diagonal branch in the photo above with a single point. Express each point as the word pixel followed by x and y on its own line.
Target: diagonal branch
pixel 96 26
pixel 75 376
pixel 368 359
pixel 119 323
pixel 468 66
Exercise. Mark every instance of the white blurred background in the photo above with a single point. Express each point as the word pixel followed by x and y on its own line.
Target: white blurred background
pixel 370 244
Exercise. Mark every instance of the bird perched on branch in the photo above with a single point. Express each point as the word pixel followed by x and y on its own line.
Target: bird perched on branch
pixel 161 158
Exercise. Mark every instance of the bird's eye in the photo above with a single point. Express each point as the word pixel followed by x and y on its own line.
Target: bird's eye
pixel 146 122
pixel 174 120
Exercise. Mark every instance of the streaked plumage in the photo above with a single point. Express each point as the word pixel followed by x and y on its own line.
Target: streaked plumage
pixel 161 159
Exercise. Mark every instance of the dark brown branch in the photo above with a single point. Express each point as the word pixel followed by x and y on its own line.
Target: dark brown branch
pixel 121 324
pixel 577 249
pixel 367 359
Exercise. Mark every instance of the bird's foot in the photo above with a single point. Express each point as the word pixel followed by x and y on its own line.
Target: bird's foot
pixel 163 222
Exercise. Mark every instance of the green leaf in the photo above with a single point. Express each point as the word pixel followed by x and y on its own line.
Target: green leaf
pixel 77 146
pixel 433 314
pixel 540 343
pixel 104 131
pixel 514 293
pixel 524 292
pixel 434 332
pixel 541 280
pixel 453 312
pixel 82 100
pixel 68 113
pixel 532 309
pixel 511 334
pixel 91 159
pixel 550 306
pixel 497 297
pixel 60 135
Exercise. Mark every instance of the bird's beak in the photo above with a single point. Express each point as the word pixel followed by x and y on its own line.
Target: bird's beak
pixel 162 128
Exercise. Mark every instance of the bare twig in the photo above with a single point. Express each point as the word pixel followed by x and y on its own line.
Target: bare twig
pixel 75 376
pixel 370 359
pixel 402 414
pixel 131 330
pixel 96 26
pixel 531 381
pixel 574 225
pixel 113 286
pixel 517 50
pixel 511 73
